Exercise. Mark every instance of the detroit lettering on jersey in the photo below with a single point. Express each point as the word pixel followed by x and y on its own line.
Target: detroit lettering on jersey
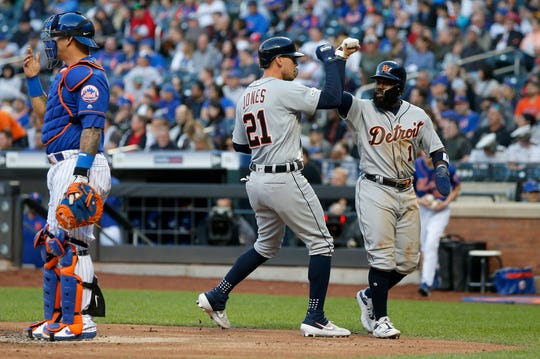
pixel 378 133
pixel 253 97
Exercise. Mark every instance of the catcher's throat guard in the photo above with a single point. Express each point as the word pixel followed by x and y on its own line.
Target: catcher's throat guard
pixel 81 206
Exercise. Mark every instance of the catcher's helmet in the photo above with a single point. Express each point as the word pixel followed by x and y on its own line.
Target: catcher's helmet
pixel 64 25
pixel 70 24
pixel 393 71
pixel 276 46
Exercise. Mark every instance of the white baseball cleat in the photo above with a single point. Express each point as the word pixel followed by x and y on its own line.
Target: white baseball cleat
pixel 35 330
pixel 218 316
pixel 367 317
pixel 327 330
pixel 59 331
pixel 385 329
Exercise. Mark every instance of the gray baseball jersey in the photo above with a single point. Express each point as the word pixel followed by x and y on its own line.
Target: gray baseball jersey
pixel 387 143
pixel 268 120
pixel 388 217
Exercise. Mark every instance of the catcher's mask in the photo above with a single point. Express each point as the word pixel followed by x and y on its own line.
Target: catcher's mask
pixel 393 72
pixel 66 25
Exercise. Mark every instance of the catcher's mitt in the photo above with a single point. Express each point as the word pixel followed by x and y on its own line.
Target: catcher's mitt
pixel 81 206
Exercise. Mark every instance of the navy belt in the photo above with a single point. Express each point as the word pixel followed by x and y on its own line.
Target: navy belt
pixel 56 157
pixel 282 168
pixel 399 184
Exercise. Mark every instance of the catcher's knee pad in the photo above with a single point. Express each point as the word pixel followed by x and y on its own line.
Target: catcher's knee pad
pixel 71 292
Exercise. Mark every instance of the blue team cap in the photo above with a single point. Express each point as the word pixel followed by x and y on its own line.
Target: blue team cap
pixel 130 40
pixel 168 88
pixel 440 80
pixel 124 101
pixel 118 83
pixel 531 186
pixel 449 114
pixel 35 196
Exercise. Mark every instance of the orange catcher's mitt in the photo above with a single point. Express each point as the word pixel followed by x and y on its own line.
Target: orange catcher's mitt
pixel 81 206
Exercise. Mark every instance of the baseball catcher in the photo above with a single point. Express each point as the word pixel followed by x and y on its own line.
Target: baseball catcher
pixel 72 114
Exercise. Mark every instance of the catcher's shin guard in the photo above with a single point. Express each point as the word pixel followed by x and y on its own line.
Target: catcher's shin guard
pixel 71 293
pixel 51 297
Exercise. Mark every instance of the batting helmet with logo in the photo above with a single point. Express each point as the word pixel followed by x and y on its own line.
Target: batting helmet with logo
pixel 276 46
pixel 393 71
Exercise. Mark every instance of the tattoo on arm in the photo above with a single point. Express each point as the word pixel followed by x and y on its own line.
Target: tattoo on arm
pixel 90 138
pixel 44 98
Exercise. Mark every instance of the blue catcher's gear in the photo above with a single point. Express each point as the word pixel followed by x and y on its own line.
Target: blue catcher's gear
pixel 66 25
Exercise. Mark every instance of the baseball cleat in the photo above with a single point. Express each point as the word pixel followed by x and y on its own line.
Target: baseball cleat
pixel 329 329
pixel 66 334
pixel 35 330
pixel 424 290
pixel 384 329
pixel 60 331
pixel 218 316
pixel 367 317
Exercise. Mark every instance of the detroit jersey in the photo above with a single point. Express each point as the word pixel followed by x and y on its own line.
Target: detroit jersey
pixel 268 116
pixel 387 142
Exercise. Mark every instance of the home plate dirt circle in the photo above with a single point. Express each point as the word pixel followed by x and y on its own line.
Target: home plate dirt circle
pixel 144 341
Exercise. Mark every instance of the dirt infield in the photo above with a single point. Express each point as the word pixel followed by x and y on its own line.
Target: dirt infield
pixel 145 341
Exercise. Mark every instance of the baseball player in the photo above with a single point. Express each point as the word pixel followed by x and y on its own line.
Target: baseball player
pixel 72 115
pixel 268 126
pixel 388 132
pixel 434 216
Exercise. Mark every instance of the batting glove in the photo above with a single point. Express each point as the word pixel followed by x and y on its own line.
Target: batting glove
pixel 325 53
pixel 348 47
pixel 442 180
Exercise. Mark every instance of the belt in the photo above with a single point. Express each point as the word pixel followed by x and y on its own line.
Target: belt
pixel 82 253
pixel 60 156
pixel 399 184
pixel 286 167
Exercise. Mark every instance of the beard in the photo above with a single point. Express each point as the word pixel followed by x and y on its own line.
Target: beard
pixel 386 99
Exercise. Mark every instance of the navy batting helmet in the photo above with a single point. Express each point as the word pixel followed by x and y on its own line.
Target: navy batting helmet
pixel 393 71
pixel 276 46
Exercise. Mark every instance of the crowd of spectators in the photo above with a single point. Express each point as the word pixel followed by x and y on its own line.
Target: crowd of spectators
pixel 177 68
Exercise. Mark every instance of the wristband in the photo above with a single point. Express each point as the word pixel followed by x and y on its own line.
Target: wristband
pixel 34 86
pixel 84 160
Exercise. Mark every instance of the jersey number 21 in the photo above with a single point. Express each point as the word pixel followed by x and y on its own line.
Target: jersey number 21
pixel 251 124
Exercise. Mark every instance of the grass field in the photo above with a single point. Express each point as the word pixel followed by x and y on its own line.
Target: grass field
pixel 517 325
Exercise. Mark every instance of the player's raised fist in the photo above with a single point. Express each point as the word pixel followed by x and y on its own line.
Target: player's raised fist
pixel 325 52
pixel 348 47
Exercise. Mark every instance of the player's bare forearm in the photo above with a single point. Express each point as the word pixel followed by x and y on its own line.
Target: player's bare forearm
pixel 90 140
pixel 39 106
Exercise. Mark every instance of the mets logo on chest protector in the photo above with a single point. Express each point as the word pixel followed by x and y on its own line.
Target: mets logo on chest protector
pixel 89 93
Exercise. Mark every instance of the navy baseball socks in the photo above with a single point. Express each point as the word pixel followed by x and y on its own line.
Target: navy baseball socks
pixel 315 324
